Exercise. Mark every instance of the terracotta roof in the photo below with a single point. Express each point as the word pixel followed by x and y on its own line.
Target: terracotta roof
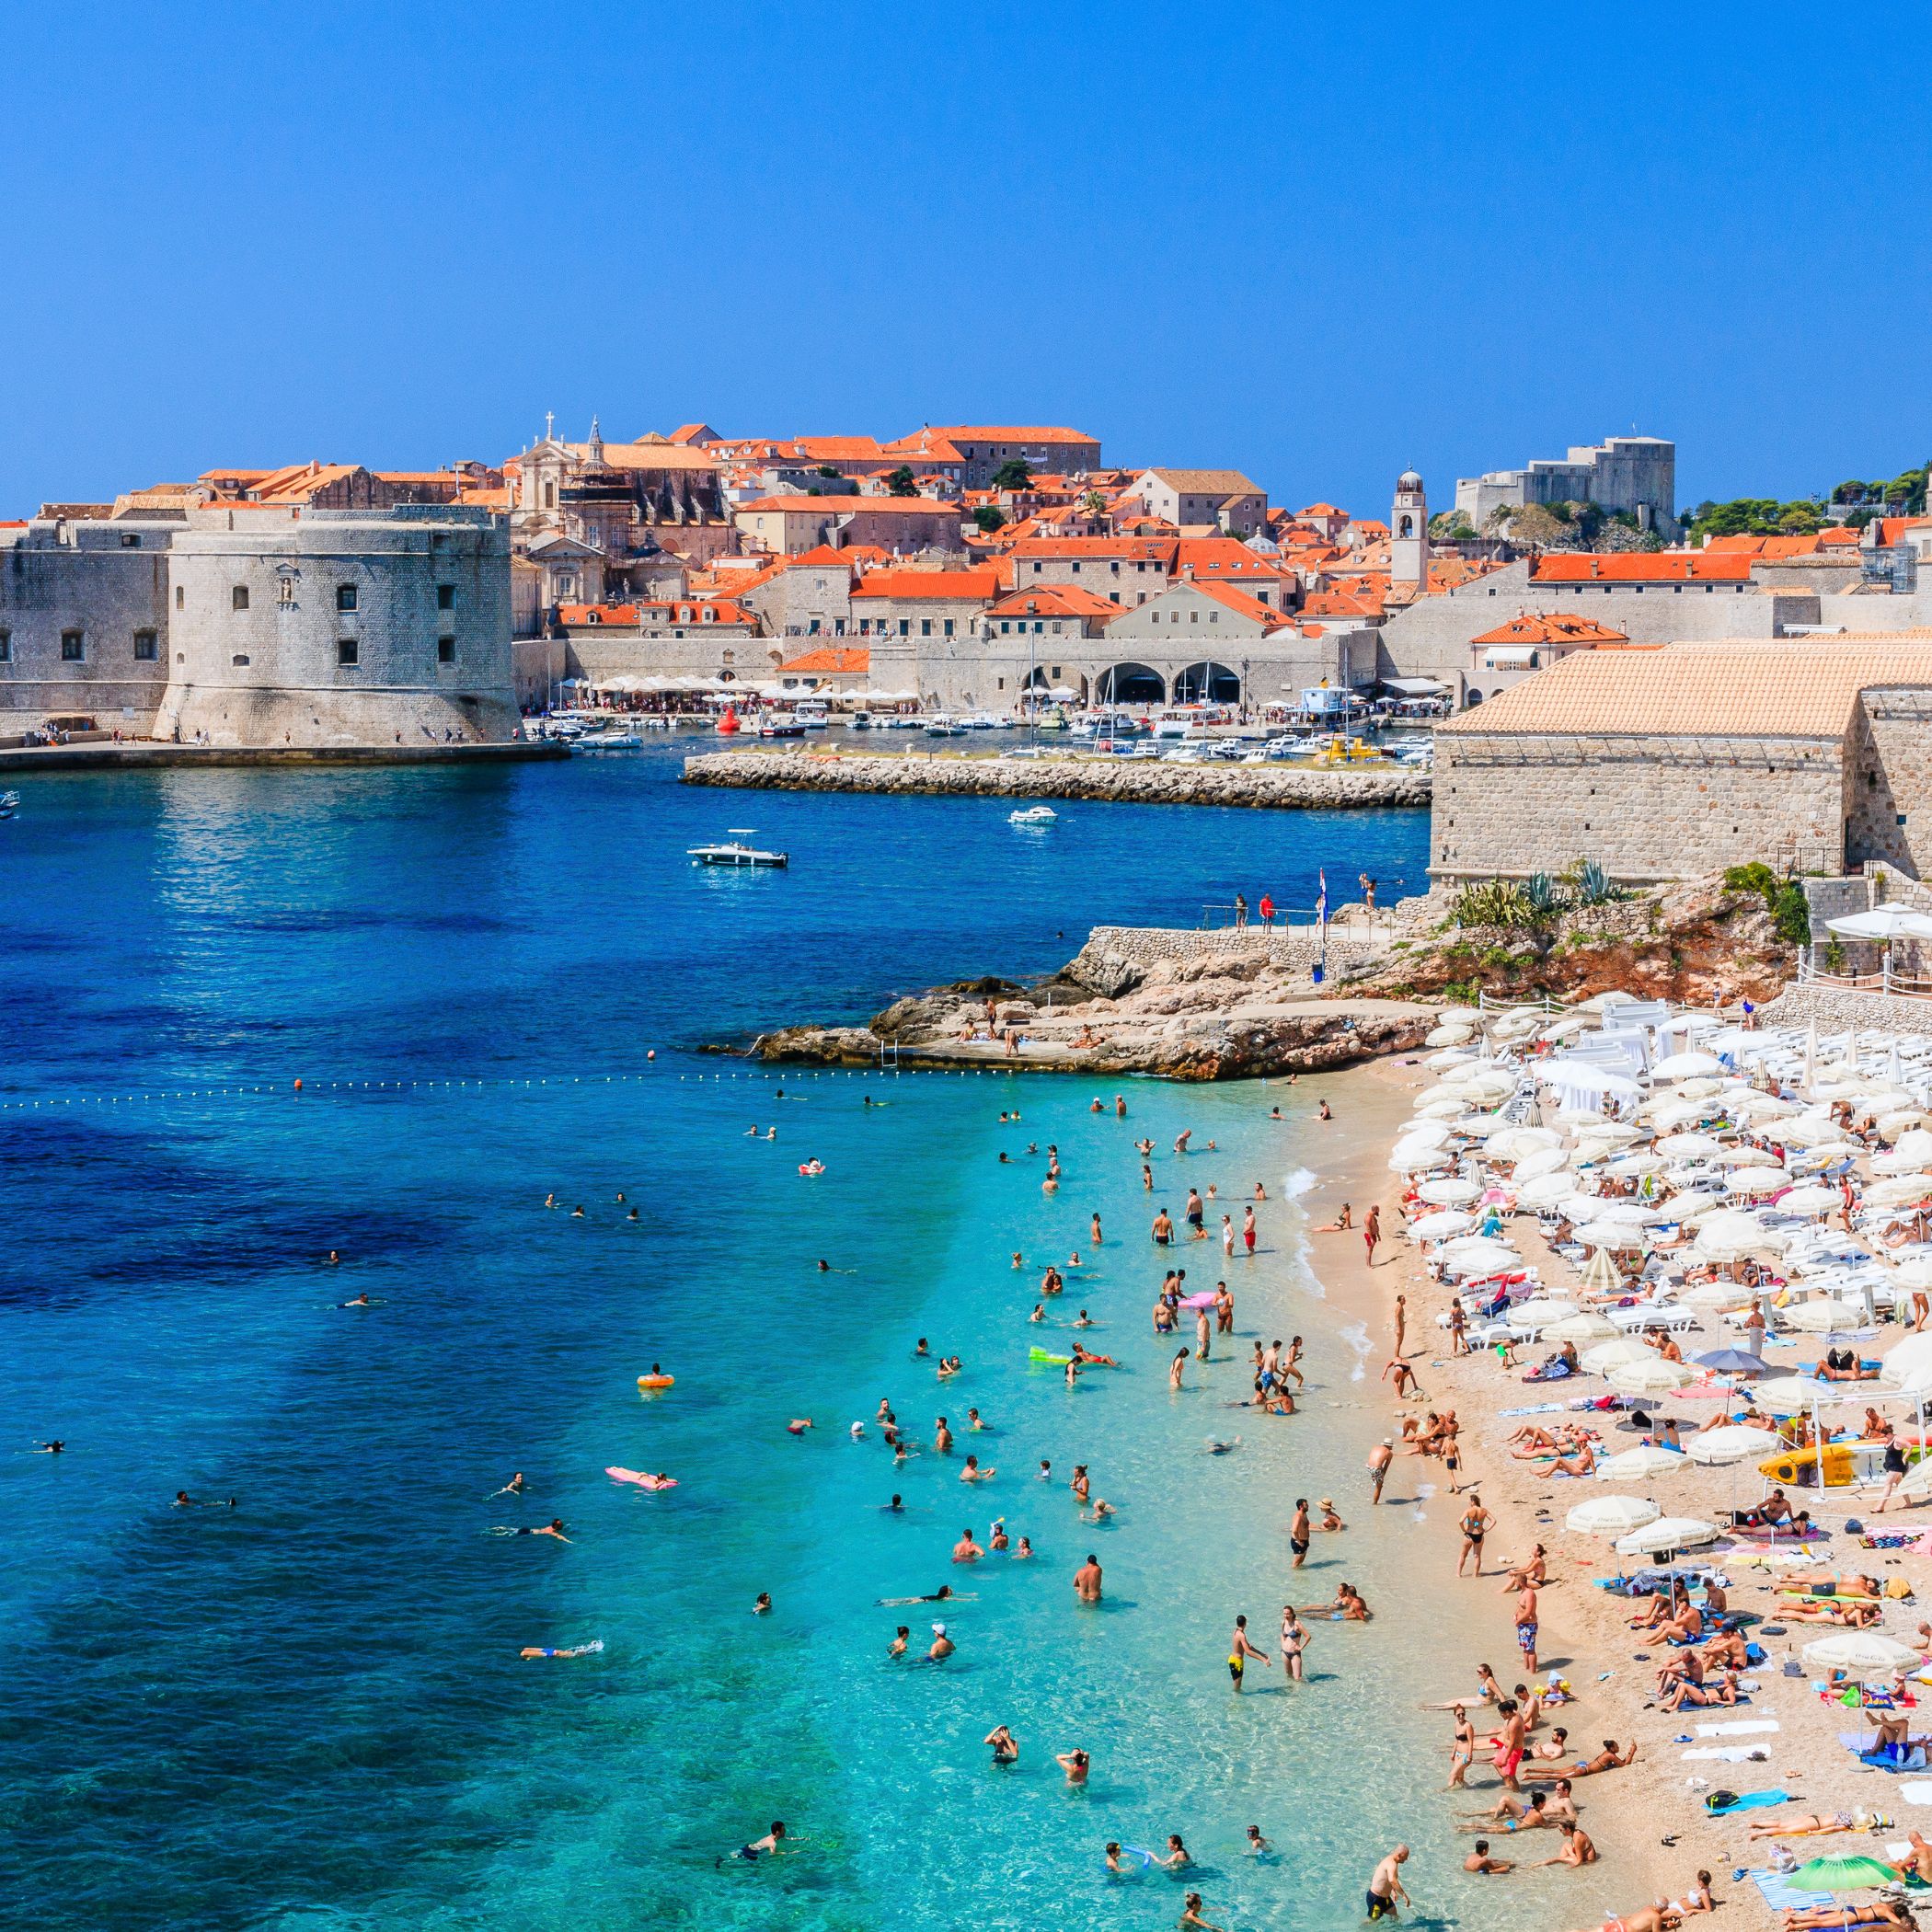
pixel 1369 526
pixel 1343 604
pixel 1242 605
pixel 724 610
pixel 818 554
pixel 1129 549
pixel 890 506
pixel 824 448
pixel 846 659
pixel 651 455
pixel 1800 687
pixel 1006 432
pixel 1551 627
pixel 1223 557
pixel 1640 567
pixel 1321 510
pixel 1206 482
pixel 978 586
pixel 1054 600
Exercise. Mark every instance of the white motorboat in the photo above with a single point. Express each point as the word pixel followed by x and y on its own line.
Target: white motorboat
pixel 734 852
pixel 1033 815
pixel 861 721
pixel 982 722
pixel 943 726
pixel 778 725
pixel 9 803
pixel 608 741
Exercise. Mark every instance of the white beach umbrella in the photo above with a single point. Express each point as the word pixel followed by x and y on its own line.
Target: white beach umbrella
pixel 1642 1462
pixel 1517 1143
pixel 1625 1165
pixel 1898 1160
pixel 1654 1377
pixel 1450 1033
pixel 1480 1254
pixel 1667 1532
pixel 1753 1183
pixel 1688 1147
pixel 1489 1082
pixel 1541 1160
pixel 1699 1086
pixel 1602 1002
pixel 1418 1157
pixel 1807 1130
pixel 1560 1031
pixel 1908 1357
pixel 1756 1106
pixel 1685 1066
pixel 1428 1132
pixel 1735 1443
pixel 1620 1353
pixel 1543 1190
pixel 1732 1235
pixel 1820 1316
pixel 1915 1272
pixel 1742 1156
pixel 1862 1651
pixel 1538 1312
pixel 1786 1394
pixel 1439 1106
pixel 1621 1236
pixel 1900 1122
pixel 1916 1483
pixel 1608 1137
pixel 1612 1516
pixel 1718 1297
pixel 1811 1198
pixel 1916 1141
pixel 1450 1190
pixel 1442 1225
pixel 1586 1326
pixel 1901 1191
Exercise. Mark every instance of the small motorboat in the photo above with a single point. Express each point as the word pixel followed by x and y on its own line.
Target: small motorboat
pixel 734 852
pixel 776 724
pixel 9 803
pixel 861 721
pixel 608 741
pixel 1033 815
pixel 943 726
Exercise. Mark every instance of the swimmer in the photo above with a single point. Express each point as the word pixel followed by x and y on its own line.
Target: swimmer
pixel 763 1604
pixel 1084 1320
pixel 1175 1368
pixel 1005 1746
pixel 555 1527
pixel 1087 1579
pixel 942 1436
pixel 549 1201
pixel 1075 1763
pixel 942 1645
pixel 897 1647
pixel 183 1501
pixel 1018 1260
pixel 857 1431
pixel 767 1847
pixel 896 1507
pixel 1113 1860
pixel 1100 1512
pixel 1216 1447
pixel 577 1213
pixel 1094 1234
pixel 576 1650
pixel 1023 1549
pixel 1176 1855
pixel 943 1595
pixel 514 1486
pixel 1046 1470
pixel 798 1425
pixel 1329 1519
pixel 335 1259
pixel 1257 1846
pixel 1191 1919
pixel 1039 1313
pixel 632 1215
pixel 973 1419
pixel 997 1538
pixel 1323 1114
pixel 51 1448
pixel 966 1550
pixel 1481 1862
pixel 359 1301
pixel 1082 1484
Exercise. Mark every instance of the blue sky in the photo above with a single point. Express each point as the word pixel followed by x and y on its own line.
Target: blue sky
pixel 1316 246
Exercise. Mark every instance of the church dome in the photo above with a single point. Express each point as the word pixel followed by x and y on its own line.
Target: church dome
pixel 1408 481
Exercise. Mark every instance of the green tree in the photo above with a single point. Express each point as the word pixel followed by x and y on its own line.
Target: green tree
pixel 989 517
pixel 1013 473
pixel 902 482
pixel 825 469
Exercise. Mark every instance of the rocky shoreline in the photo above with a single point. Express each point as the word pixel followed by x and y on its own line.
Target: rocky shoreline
pixel 1100 780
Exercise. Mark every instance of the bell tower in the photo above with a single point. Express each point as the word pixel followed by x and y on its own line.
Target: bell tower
pixel 1409 532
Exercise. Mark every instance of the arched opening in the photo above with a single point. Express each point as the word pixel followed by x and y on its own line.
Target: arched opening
pixel 1471 698
pixel 1130 685
pixel 1408 527
pixel 1207 684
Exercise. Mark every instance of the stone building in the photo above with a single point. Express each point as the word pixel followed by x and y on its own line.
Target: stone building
pixel 1638 473
pixel 84 622
pixel 1123 569
pixel 979 450
pixel 1808 754
pixel 1513 651
pixel 710 638
pixel 1198 499
pixel 338 627
pixel 903 525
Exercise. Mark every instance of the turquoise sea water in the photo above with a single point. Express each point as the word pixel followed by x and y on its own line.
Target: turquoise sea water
pixel 309 1711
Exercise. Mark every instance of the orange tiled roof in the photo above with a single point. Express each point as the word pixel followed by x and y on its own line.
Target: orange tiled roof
pixel 1640 567
pixel 1223 557
pixel 1343 604
pixel 1241 604
pixel 844 659
pixel 1006 432
pixel 662 610
pixel 976 585
pixel 1551 627
pixel 889 506
pixel 824 449
pixel 1794 687
pixel 1129 549
pixel 1321 510
pixel 1054 600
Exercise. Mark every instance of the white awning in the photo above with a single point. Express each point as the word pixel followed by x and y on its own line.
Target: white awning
pixel 1414 686
pixel 1502 657
pixel 1885 922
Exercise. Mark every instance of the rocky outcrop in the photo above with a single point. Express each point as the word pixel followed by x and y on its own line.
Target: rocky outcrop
pixel 1120 781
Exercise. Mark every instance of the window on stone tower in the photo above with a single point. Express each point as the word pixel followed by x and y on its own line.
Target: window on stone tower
pixel 73 649
pixel 445 650
pixel 239 597
pixel 445 596
pixel 145 646
pixel 345 596
pixel 346 650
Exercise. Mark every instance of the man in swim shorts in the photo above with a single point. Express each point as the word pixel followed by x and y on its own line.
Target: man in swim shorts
pixel 1299 1532
pixel 1239 1649
pixel 1385 1889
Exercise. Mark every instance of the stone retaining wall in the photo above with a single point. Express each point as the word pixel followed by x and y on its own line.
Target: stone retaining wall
pixel 1117 958
pixel 1835 1009
pixel 1111 781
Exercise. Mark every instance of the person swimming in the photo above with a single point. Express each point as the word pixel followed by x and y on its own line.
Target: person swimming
pixel 578 1650
pixel 555 1527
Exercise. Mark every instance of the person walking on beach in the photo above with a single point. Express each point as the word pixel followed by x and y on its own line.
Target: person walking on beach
pixel 1401 1316
pixel 1380 1456
pixel 1372 1232
pixel 1239 1649
pixel 1476 1525
pixel 1385 1889
pixel 1527 1625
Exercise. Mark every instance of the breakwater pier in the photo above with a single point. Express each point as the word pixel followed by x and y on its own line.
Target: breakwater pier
pixel 1105 780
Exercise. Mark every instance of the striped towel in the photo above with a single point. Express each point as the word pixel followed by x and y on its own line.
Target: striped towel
pixel 1781 1895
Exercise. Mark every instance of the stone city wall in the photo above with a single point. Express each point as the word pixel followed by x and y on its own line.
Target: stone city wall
pixel 1833 1010
pixel 1644 808
pixel 1117 958
pixel 1099 780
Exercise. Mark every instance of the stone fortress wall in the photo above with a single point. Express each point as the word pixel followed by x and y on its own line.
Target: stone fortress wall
pixel 267 627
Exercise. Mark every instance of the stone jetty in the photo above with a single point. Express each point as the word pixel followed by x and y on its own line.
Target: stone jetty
pixel 1121 781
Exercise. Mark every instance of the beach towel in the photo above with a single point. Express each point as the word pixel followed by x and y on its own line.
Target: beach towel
pixel 1727 1753
pixel 1535 1409
pixel 1751 1801
pixel 1781 1895
pixel 1916 1794
pixel 1738 1729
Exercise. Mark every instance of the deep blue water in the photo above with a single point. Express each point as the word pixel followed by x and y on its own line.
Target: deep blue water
pixel 309 1711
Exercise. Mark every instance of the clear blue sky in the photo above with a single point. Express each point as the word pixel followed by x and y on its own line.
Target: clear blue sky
pixel 1315 244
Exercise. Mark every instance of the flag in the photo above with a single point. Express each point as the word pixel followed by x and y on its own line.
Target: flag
pixel 1321 904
